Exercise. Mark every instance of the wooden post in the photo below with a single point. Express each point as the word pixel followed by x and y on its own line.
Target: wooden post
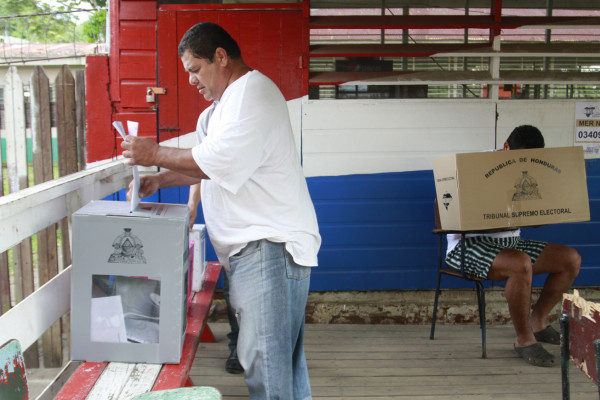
pixel 66 133
pixel 80 111
pixel 4 275
pixel 41 138
pixel 597 353
pixel 16 159
pixel 564 356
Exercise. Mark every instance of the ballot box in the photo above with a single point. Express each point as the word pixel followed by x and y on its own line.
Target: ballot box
pixel 129 284
pixel 515 188
pixel 198 237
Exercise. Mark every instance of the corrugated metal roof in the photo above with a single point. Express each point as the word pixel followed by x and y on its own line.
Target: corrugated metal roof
pixel 13 53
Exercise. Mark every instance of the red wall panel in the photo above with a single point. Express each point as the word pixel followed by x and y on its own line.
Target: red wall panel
pixel 146 120
pixel 140 35
pixel 167 42
pixel 138 64
pixel 262 35
pixel 272 41
pixel 98 108
pixel 138 10
pixel 133 94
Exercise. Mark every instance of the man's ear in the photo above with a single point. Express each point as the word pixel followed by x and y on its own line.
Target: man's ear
pixel 221 57
pixel 506 146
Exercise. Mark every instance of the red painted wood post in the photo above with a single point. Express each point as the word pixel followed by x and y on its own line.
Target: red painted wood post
pixel 207 336
pixel 100 136
pixel 584 329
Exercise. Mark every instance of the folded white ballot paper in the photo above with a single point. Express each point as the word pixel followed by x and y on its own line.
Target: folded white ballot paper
pixel 107 320
pixel 132 128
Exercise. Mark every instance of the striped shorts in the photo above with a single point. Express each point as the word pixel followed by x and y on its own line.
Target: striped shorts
pixel 482 250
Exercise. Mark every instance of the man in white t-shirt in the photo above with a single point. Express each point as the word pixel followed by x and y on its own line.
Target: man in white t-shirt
pixel 506 256
pixel 257 209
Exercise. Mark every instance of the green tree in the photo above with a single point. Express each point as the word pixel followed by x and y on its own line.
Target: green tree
pixel 39 22
pixel 94 29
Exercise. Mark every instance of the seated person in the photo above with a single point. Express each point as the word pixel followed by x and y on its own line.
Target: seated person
pixel 506 256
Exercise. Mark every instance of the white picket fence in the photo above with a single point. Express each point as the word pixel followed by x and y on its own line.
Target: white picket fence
pixel 37 196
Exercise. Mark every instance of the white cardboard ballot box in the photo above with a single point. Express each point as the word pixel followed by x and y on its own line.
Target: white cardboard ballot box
pixel 129 282
pixel 198 236
pixel 505 189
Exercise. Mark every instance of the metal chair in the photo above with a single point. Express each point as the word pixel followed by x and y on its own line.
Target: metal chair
pixel 445 270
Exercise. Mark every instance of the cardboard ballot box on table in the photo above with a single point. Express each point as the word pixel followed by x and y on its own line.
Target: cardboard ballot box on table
pixel 515 188
pixel 197 263
pixel 129 282
pixel 198 237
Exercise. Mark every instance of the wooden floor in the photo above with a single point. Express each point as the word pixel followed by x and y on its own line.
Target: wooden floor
pixel 400 362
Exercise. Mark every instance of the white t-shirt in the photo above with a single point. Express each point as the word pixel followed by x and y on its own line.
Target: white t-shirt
pixel 257 189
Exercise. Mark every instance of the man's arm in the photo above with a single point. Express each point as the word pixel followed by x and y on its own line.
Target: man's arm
pixel 147 153
pixel 149 184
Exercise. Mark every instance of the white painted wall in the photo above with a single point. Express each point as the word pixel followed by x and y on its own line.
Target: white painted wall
pixel 342 137
pixel 364 137
pixel 555 118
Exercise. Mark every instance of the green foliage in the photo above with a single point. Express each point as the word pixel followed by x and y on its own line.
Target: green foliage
pixel 72 4
pixel 94 29
pixel 39 22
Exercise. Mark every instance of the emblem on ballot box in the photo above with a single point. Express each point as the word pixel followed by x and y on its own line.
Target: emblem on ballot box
pixel 526 188
pixel 128 249
pixel 446 199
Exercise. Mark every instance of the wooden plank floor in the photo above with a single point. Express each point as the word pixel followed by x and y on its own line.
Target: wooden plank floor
pixel 400 362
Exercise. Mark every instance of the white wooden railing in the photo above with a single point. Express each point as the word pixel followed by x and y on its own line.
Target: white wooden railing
pixel 30 210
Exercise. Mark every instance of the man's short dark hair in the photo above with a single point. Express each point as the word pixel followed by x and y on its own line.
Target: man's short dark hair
pixel 525 137
pixel 203 39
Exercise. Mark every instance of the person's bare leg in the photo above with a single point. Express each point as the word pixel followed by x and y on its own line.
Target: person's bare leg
pixel 515 267
pixel 562 264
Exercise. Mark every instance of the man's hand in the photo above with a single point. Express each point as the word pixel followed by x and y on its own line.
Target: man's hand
pixel 149 184
pixel 140 151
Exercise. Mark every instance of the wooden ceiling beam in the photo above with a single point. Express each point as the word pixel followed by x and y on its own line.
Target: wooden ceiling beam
pixel 449 22
pixel 566 49
pixel 451 78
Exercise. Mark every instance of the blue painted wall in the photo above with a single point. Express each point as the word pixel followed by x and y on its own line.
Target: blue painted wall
pixel 376 231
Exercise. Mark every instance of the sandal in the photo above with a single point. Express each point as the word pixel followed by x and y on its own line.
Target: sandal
pixel 548 335
pixel 536 355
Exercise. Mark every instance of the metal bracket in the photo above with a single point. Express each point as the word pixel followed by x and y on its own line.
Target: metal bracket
pixel 151 93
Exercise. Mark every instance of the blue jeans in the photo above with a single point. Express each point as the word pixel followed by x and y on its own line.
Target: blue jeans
pixel 268 291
